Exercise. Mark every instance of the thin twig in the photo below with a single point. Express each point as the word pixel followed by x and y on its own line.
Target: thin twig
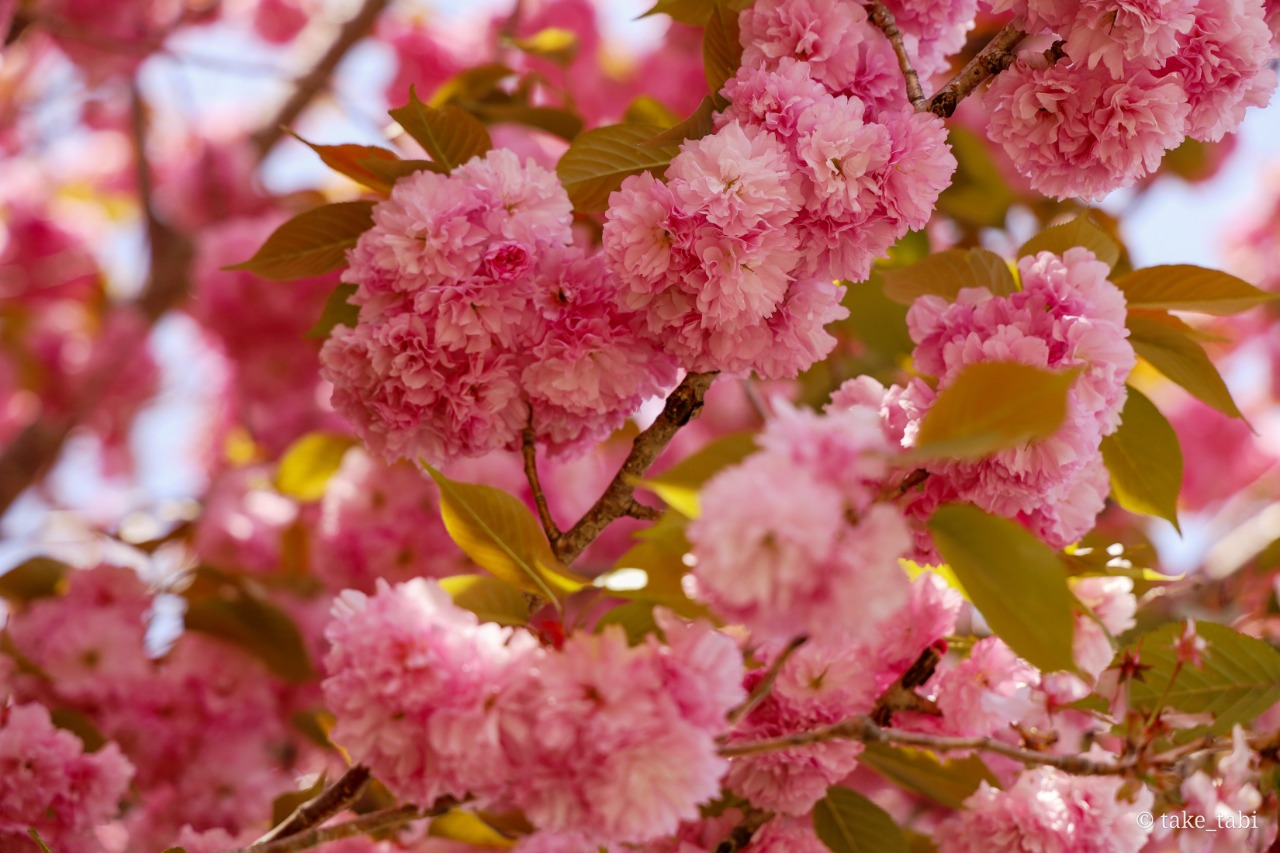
pixel 883 18
pixel 323 806
pixel 863 729
pixel 684 403
pixel 998 55
pixel 762 688
pixel 539 497
pixel 635 509
pixel 364 825
pixel 311 83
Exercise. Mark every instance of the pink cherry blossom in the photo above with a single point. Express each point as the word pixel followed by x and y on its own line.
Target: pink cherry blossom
pixel 823 33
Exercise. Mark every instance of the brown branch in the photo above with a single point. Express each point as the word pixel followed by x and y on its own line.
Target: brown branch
pixel 998 55
pixel 531 474
pixel 761 690
pixel 901 695
pixel 883 18
pixel 378 821
pixel 863 729
pixel 311 83
pixel 635 509
pixel 323 806
pixel 684 403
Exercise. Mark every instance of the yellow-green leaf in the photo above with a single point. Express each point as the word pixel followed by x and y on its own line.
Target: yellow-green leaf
pixel 1016 581
pixel 337 312
pixel 1144 460
pixel 692 12
pixel 647 109
pixel 37 577
pixel 848 822
pixel 1182 360
pixel 948 783
pixel 554 43
pixel 679 485
pixel 473 84
pixel 559 122
pixel 696 126
pixel 311 243
pixel 500 534
pixel 1239 680
pixel 467 827
pixel 599 161
pixel 1183 287
pixel 350 160
pixel 309 464
pixel 450 136
pixel 721 47
pixel 915 570
pixel 979 196
pixel 991 406
pixel 946 273
pixel 1081 231
pixel 635 617
pixel 490 599
pixel 659 557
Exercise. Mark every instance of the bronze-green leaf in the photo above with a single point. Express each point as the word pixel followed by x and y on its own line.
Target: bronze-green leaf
pixel 284 805
pixel 946 273
pixel 489 598
pixel 991 406
pixel 1182 360
pixel 337 312
pixel 659 555
pixel 37 577
pixel 220 606
pixel 679 485
pixel 1080 231
pixel 848 822
pixel 1239 680
pixel 555 43
pixel 1183 287
pixel 692 12
pixel 309 463
pixel 696 126
pixel 499 532
pixel 451 136
pixel 390 171
pixel 350 160
pixel 599 161
pixel 721 47
pixel 948 783
pixel 1144 460
pixel 1016 581
pixel 311 243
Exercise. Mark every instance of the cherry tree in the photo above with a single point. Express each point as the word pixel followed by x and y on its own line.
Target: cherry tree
pixel 755 438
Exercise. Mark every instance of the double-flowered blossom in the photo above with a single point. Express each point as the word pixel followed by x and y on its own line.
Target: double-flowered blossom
pixel 811 552
pixel 50 783
pixel 1047 809
pixel 474 311
pixel 1067 315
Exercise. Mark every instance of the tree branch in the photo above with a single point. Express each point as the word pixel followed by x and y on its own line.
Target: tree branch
pixel 311 83
pixel 998 55
pixel 762 688
pixel 883 18
pixel 364 825
pixel 684 404
pixel 863 729
pixel 323 806
pixel 539 497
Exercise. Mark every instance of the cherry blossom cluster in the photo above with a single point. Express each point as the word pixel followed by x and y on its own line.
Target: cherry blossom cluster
pixel 812 172
pixel 478 317
pixel 1066 315
pixel 614 742
pixel 1138 79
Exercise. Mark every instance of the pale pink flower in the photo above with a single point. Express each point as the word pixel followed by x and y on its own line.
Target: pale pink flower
pixel 1140 33
pixel 243 524
pixel 798 337
pixel 823 33
pixel 984 693
pixel 1190 646
pixel 1078 132
pixel 775 98
pixel 412 679
pixel 786 835
pixel 932 30
pixel 1049 810
pixel 1223 798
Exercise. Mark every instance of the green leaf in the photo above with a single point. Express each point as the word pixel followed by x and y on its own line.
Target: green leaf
pixel 848 822
pixel 948 783
pixel 1081 231
pixel 349 160
pixel 979 196
pixel 311 243
pixel 1144 460
pixel 558 122
pixel 598 161
pixel 659 555
pixel 390 171
pixel 1181 360
pixel 309 464
pixel 491 599
pixel 467 827
pixel 1239 680
pixel 284 805
pixel 338 311
pixel 635 617
pixel 554 43
pixel 1183 287
pixel 647 109
pixel 79 725
pixel 473 84
pixel 721 48
pixel 1015 580
pixel 946 273
pixel 679 485
pixel 696 126
pixel 37 577
pixel 692 12
pixel 450 136
pixel 499 533
pixel 991 406
pixel 222 607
